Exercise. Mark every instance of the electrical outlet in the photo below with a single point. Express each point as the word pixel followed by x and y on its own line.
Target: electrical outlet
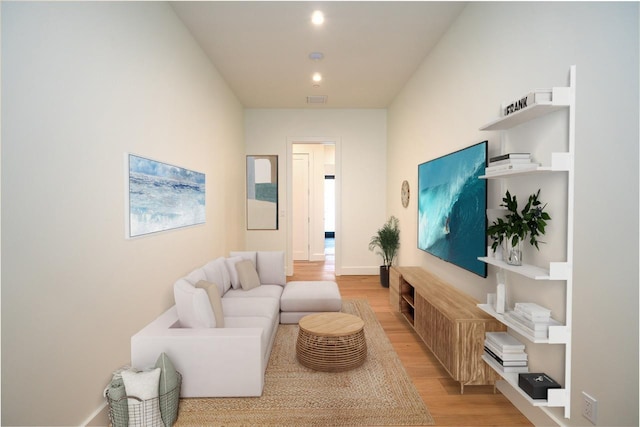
pixel 589 407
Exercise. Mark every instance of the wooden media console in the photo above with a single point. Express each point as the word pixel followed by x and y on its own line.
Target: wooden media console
pixel 448 321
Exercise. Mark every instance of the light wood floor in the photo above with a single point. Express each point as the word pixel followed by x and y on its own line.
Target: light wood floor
pixel 478 406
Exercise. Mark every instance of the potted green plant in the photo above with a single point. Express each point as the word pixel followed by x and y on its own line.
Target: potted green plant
pixel 387 242
pixel 517 225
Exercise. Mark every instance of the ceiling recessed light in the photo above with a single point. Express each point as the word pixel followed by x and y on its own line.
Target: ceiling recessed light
pixel 317 18
pixel 316 56
pixel 317 77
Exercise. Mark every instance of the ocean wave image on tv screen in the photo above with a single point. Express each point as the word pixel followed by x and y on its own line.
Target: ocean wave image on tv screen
pixel 452 206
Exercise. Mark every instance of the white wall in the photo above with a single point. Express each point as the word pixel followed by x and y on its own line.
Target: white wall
pixel 361 148
pixel 493 53
pixel 83 84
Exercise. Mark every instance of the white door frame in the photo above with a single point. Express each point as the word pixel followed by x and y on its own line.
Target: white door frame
pixel 298 196
pixel 338 177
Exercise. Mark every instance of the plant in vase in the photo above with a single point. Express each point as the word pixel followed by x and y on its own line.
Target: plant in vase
pixel 517 225
pixel 387 241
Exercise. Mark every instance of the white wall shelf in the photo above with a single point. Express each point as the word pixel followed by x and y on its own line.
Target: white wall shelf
pixel 557 331
pixel 560 162
pixel 530 271
pixel 556 271
pixel 555 397
pixel 562 98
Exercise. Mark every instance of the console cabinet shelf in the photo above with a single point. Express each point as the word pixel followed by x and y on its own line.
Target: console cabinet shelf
pixel 447 320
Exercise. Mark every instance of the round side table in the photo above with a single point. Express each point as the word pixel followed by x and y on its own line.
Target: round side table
pixel 331 342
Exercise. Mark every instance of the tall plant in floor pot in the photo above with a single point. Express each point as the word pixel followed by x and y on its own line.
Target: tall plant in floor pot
pixel 386 243
pixel 517 226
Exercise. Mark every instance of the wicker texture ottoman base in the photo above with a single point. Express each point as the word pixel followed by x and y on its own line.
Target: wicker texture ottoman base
pixel 331 342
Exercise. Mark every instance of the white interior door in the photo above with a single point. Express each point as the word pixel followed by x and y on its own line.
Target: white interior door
pixel 300 199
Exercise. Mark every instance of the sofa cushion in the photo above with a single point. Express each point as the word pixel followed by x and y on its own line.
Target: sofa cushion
pixel 270 268
pixel 239 307
pixel 250 255
pixel 216 272
pixel 233 273
pixel 193 306
pixel 247 275
pixel 312 296
pixel 214 298
pixel 196 275
pixel 270 291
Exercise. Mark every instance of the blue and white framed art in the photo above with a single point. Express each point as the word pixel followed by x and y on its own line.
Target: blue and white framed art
pixel 163 197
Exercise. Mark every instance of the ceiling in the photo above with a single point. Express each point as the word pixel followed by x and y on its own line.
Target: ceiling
pixel 370 49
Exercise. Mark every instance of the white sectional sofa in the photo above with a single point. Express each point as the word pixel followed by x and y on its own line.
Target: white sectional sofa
pixel 220 333
pixel 222 349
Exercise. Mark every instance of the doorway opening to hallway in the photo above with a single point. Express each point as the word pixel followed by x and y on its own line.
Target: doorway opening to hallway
pixel 314 195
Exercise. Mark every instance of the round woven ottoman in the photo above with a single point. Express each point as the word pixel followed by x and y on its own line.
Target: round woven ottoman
pixel 331 342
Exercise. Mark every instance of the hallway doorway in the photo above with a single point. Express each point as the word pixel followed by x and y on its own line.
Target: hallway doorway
pixel 313 202
pixel 329 216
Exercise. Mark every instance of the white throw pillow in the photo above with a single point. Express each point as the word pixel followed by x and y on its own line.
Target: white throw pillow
pixel 233 273
pixel 193 306
pixel 214 300
pixel 143 385
pixel 247 275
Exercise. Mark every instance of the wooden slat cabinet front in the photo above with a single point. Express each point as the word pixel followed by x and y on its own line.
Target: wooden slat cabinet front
pixel 394 288
pixel 450 324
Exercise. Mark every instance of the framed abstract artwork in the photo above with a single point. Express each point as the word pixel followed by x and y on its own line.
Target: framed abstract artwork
pixel 163 196
pixel 262 192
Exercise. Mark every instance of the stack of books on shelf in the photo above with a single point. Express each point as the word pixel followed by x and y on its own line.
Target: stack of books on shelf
pixel 510 161
pixel 506 351
pixel 532 318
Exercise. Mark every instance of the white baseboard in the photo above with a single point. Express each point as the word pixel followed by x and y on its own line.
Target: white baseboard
pixel 317 257
pixel 360 271
pixel 99 417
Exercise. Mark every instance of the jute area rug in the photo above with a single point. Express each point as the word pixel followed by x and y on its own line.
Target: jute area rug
pixel 378 393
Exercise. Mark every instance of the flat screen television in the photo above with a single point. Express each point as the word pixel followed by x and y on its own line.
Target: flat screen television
pixel 452 205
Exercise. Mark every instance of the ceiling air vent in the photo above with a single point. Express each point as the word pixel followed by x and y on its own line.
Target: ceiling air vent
pixel 317 99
